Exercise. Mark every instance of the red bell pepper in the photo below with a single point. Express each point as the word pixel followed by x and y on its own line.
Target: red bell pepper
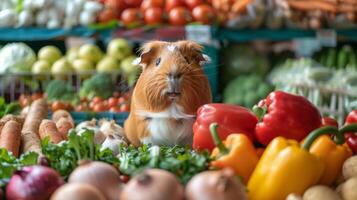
pixel 329 121
pixel 351 138
pixel 287 115
pixel 231 119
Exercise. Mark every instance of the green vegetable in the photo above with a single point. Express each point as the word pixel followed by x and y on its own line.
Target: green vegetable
pixel 78 147
pixel 182 161
pixel 62 91
pixel 241 60
pixel 342 58
pixel 246 90
pixel 11 108
pixel 9 164
pixel 98 85
pixel 331 59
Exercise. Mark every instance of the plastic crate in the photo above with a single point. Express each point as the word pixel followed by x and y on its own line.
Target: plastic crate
pixel 79 117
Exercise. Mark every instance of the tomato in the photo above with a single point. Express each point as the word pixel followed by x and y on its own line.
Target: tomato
pixel 179 16
pixel 112 101
pixel 124 108
pixel 24 100
pixel 116 94
pixel 108 15
pixel 106 105
pixel 118 5
pixel 131 16
pixel 193 3
pixel 153 15
pixel 124 178
pixel 133 3
pixel 92 104
pixel 58 105
pixel 121 100
pixel 99 107
pixel 97 99
pixel 81 108
pixel 36 96
pixel 115 109
pixel 170 4
pixel 204 14
pixel 151 3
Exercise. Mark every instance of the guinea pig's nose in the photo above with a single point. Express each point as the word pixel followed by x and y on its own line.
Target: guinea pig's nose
pixel 174 75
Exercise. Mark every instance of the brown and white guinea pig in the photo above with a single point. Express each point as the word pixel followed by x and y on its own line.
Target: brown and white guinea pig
pixel 170 89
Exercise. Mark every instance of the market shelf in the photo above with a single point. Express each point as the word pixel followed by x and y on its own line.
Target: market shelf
pixel 242 35
pixel 40 34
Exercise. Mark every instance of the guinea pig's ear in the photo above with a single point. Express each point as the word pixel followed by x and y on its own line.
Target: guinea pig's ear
pixel 148 52
pixel 192 51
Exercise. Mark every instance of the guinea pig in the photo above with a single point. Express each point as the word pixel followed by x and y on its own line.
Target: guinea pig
pixel 170 89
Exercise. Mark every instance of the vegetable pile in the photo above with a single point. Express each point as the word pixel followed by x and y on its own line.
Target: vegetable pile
pixel 237 153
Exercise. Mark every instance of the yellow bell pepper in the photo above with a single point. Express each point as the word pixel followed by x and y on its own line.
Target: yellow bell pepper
pixel 286 168
pixel 333 155
pixel 236 152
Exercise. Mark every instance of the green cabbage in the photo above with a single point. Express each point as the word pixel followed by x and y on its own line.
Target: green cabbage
pixel 16 58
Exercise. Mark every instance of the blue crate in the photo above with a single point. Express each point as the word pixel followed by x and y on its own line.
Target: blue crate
pixel 79 117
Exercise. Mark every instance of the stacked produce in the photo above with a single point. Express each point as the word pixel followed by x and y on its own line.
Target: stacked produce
pixel 154 12
pixel 48 13
pixel 311 155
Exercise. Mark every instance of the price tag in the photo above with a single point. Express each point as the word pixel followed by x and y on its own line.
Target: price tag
pixel 327 38
pixel 199 33
pixel 306 46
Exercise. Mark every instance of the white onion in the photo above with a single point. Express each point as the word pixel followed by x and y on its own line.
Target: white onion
pixel 111 128
pixel 113 144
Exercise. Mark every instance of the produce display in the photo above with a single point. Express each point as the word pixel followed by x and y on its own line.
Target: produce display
pixel 97 158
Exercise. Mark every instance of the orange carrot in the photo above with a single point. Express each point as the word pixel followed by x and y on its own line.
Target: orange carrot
pixel 240 6
pixel 30 139
pixel 10 137
pixel 64 125
pixel 48 129
pixel 312 5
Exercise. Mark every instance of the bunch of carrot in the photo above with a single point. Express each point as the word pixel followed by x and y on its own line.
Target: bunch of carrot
pixel 318 13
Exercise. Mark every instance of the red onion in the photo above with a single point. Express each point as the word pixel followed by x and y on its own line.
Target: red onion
pixel 33 183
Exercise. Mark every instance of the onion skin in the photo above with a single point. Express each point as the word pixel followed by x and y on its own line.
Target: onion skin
pixel 215 185
pixel 153 184
pixel 33 183
pixel 77 191
pixel 101 175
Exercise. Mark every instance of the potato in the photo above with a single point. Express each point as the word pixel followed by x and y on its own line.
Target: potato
pixel 349 168
pixel 293 196
pixel 320 192
pixel 348 189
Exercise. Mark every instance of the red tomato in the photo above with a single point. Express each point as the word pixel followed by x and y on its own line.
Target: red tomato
pixel 179 16
pixel 193 3
pixel 36 96
pixel 115 109
pixel 116 94
pixel 118 5
pixel 153 15
pixel 58 105
pixel 204 14
pixel 106 105
pixel 24 100
pixel 92 104
pixel 131 16
pixel 97 99
pixel 99 107
pixel 124 108
pixel 108 15
pixel 81 108
pixel 121 100
pixel 133 3
pixel 112 101
pixel 170 4
pixel 151 3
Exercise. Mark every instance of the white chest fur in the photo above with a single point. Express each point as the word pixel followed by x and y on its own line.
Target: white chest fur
pixel 169 127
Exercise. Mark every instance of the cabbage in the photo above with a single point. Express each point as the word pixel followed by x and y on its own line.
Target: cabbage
pixel 16 58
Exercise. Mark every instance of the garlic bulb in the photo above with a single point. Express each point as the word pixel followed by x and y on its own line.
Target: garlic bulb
pixel 113 144
pixel 26 18
pixel 111 128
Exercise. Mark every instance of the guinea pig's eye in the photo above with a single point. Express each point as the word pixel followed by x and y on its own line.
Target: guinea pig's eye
pixel 157 61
